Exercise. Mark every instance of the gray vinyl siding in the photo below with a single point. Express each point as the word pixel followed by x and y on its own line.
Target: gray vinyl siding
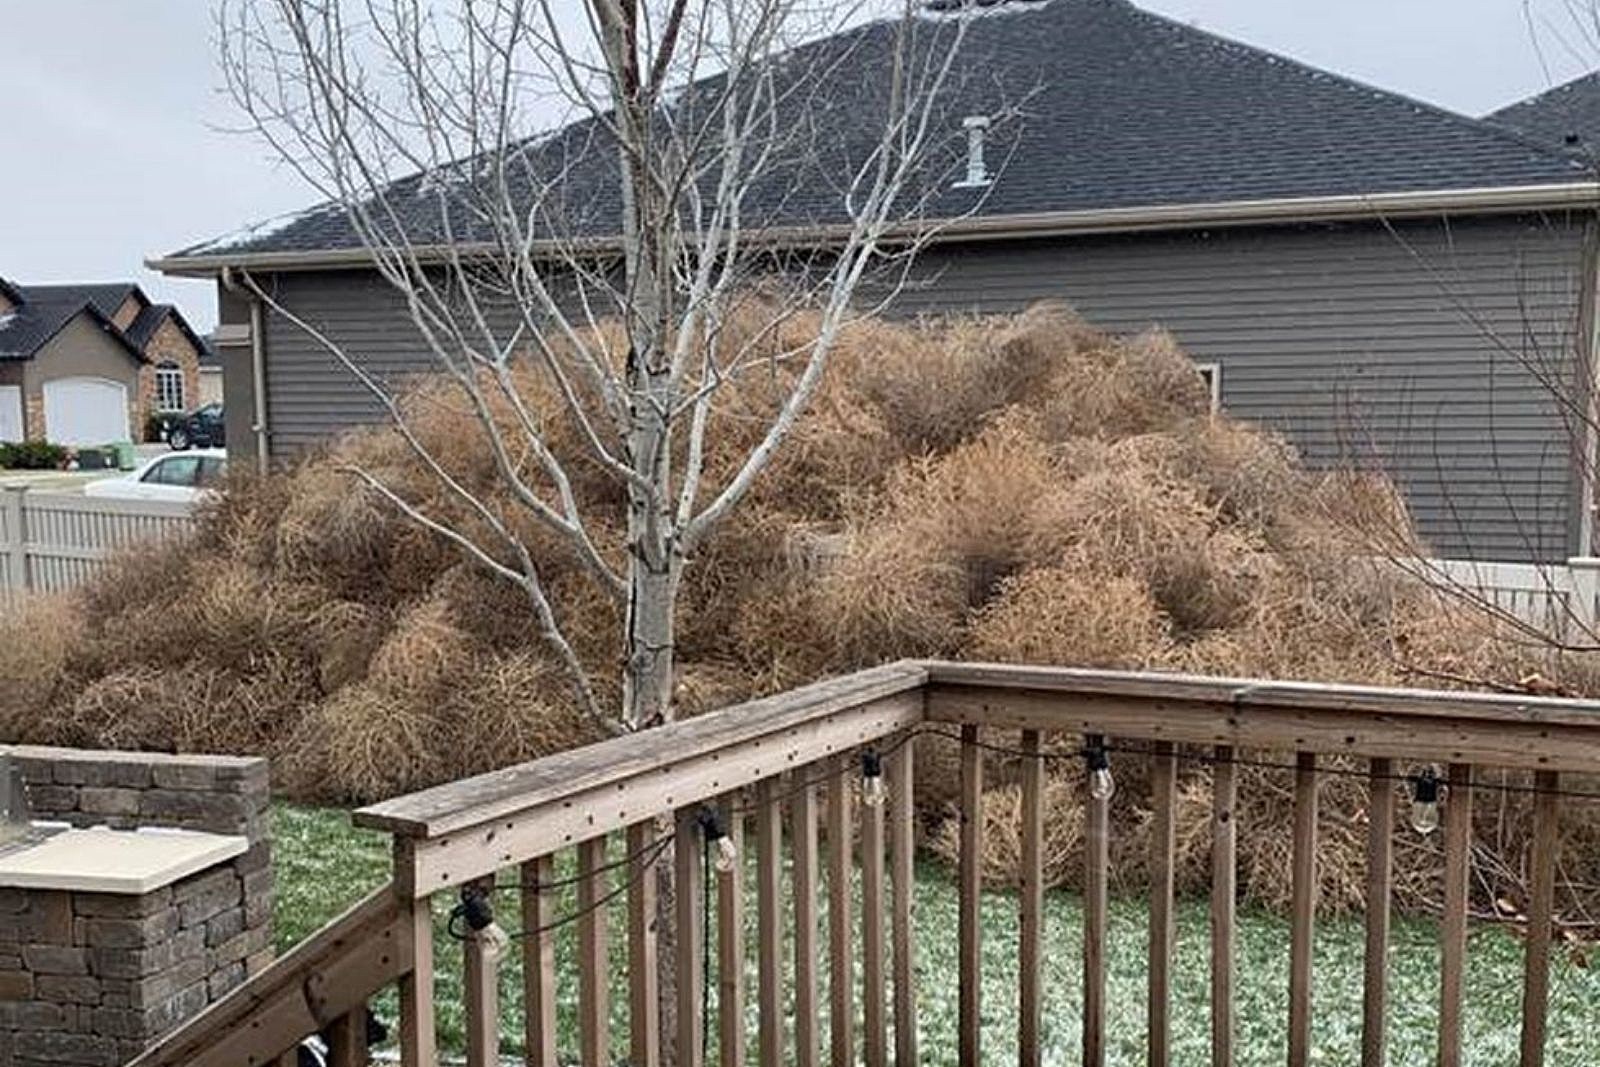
pixel 1435 350
pixel 1438 351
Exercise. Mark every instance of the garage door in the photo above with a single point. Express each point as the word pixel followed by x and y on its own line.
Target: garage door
pixel 85 411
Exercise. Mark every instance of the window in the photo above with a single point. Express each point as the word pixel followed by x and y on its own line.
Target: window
pixel 174 470
pixel 212 472
pixel 1211 374
pixel 169 387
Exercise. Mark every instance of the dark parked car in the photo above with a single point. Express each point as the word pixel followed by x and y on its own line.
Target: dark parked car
pixel 202 428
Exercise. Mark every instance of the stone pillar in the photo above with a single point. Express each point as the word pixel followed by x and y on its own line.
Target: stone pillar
pixel 89 979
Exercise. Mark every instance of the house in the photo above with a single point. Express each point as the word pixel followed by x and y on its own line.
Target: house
pixel 89 364
pixel 1384 281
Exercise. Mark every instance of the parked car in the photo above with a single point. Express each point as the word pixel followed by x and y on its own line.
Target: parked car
pixel 201 428
pixel 184 477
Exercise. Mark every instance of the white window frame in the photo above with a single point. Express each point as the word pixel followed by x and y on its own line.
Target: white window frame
pixel 1211 374
pixel 169 387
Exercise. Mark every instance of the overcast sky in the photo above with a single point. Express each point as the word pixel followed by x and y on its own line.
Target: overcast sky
pixel 114 144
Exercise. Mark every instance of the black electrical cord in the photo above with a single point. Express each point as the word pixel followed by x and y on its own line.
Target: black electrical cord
pixel 795 790
pixel 1245 761
pixel 649 856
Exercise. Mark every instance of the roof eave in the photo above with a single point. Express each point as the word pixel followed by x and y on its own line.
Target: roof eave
pixel 1345 208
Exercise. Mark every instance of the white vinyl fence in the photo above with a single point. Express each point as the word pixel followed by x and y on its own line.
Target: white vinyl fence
pixel 53 541
pixel 1559 599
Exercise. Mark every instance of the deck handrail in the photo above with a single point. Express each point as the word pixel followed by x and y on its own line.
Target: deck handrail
pixel 772 762
pixel 451 834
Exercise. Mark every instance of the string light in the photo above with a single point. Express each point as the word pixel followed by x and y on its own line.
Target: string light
pixel 476 910
pixel 1427 788
pixel 724 854
pixel 1425 802
pixel 1101 784
pixel 872 791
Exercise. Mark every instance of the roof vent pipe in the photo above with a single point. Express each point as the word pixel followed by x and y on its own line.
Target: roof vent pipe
pixel 977 126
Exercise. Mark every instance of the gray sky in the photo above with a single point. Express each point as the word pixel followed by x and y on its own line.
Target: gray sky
pixel 116 144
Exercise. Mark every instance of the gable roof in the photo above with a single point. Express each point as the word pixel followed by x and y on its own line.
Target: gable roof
pixel 106 297
pixel 43 311
pixel 149 320
pixel 1121 110
pixel 1566 118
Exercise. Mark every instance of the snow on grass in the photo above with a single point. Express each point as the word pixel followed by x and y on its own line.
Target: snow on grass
pixel 324 865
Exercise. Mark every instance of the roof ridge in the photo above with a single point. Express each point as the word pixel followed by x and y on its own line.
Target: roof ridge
pixel 1477 124
pixel 1540 96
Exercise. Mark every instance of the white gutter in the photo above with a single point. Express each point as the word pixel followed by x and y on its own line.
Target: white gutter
pixel 1489 200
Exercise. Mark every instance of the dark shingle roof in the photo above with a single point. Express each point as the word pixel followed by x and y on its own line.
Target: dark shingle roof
pixel 106 297
pixel 1117 108
pixel 149 320
pixel 1566 118
pixel 45 310
pixel 144 326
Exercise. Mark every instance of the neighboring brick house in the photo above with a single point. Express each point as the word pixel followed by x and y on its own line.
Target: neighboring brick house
pixel 88 364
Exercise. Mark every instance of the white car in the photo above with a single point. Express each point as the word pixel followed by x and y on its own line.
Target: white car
pixel 180 476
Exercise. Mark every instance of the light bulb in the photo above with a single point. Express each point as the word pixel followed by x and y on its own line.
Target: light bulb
pixel 872 791
pixel 727 857
pixel 1425 802
pixel 1101 784
pixel 495 941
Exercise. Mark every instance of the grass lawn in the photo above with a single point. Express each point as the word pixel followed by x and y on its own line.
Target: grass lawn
pixel 324 865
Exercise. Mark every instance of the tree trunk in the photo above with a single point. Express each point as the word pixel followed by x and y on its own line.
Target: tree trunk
pixel 647 685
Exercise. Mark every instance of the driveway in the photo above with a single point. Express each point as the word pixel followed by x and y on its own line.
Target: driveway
pixel 72 481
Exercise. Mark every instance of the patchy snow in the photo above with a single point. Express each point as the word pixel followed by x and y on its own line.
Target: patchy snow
pixel 7 319
pixel 257 231
pixel 957 10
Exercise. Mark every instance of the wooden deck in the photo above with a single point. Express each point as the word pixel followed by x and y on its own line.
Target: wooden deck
pixel 792 776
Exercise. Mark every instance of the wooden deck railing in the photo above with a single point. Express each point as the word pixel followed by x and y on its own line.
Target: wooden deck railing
pixel 792 767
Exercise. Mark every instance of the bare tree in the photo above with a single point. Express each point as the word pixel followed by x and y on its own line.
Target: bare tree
pixel 522 172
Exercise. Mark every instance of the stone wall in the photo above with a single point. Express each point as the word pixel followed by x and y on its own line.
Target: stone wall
pixel 91 978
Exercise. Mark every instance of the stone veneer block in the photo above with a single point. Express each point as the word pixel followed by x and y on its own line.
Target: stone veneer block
pixel 90 979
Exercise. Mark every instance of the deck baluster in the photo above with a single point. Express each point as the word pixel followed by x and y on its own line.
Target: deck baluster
pixel 1380 884
pixel 644 1006
pixel 902 844
pixel 1163 886
pixel 1224 882
pixel 841 966
pixel 1541 914
pixel 970 969
pixel 803 828
pixel 874 1007
pixel 1030 905
pixel 1096 846
pixel 1453 922
pixel 1303 908
pixel 769 919
pixel 688 876
pixel 538 963
pixel 594 1001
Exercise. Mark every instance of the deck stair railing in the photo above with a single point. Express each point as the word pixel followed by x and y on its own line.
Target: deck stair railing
pixel 795 772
